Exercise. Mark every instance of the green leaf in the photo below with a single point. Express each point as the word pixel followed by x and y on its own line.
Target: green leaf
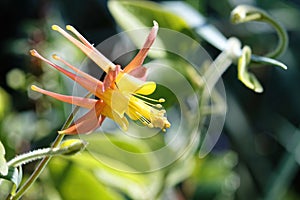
pixel 120 163
pixel 135 185
pixel 120 152
pixel 123 163
pixel 14 175
pixel 215 177
pixel 182 169
pixel 139 14
pixel 135 16
pixel 3 164
pixel 72 181
pixel 5 104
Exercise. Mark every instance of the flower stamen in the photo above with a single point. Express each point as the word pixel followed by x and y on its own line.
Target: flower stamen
pixel 143 120
pixel 161 100
pixel 143 98
pixel 149 114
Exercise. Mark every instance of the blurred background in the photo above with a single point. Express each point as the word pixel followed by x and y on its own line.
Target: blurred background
pixel 256 157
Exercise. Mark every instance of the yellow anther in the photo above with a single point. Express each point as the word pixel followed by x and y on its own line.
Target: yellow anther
pixel 69 27
pixel 55 27
pixel 34 88
pixel 161 100
pixel 33 52
pixel 56 57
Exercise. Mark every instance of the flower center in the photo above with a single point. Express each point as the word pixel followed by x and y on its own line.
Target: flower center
pixel 150 114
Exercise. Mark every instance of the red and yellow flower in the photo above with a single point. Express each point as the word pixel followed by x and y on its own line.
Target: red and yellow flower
pixel 120 94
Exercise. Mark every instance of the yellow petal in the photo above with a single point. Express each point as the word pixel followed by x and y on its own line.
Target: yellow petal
pixel 116 101
pixel 119 102
pixel 147 88
pixel 129 84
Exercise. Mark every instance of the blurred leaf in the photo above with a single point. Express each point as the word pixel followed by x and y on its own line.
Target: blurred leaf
pixel 119 152
pixel 3 165
pixel 215 175
pixel 4 103
pixel 139 14
pixel 118 162
pixel 123 164
pixel 181 170
pixel 136 15
pixel 77 183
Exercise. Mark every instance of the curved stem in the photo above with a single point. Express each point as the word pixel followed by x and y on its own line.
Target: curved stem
pixel 282 35
pixel 246 13
pixel 39 169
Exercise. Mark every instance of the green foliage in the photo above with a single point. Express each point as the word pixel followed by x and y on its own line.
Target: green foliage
pixel 14 175
pixel 75 182
pixel 4 103
pixel 215 176
pixel 3 165
pixel 137 14
pixel 129 165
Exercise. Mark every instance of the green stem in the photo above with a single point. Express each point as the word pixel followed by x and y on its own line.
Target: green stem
pixel 39 169
pixel 36 172
pixel 221 64
pixel 68 147
pixel 34 155
pixel 246 13
pixel 282 35
pixel 218 67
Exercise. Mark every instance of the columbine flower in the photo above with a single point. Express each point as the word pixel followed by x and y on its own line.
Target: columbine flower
pixel 120 94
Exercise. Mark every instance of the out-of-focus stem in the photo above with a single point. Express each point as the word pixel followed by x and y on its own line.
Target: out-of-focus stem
pixel 39 169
